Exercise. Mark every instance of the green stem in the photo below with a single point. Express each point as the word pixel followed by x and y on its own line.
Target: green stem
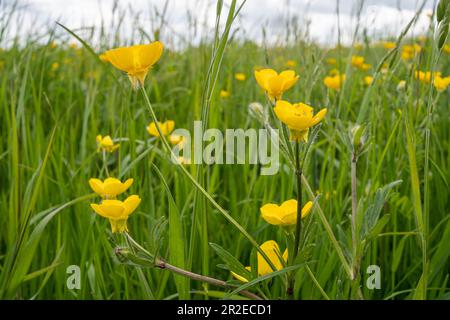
pixel 298 227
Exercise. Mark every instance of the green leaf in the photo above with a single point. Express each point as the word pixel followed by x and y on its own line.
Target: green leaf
pixel 232 263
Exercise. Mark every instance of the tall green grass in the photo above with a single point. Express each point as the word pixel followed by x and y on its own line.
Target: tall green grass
pixel 50 116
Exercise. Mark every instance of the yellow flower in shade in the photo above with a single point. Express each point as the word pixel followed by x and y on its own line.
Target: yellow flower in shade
pixel 358 46
pixel 389 45
pixel 291 63
pixel 73 45
pixel 334 82
pixel 224 94
pixel 357 61
pixel 368 80
pixel 333 72
pixel 55 66
pixel 109 188
pixel 106 144
pixel 117 211
pixel 298 117
pixel 441 83
pixel 401 85
pixel 272 251
pixel 285 214
pixel 275 84
pixel 53 45
pixel 365 66
pixel 331 61
pixel 166 128
pixel 409 51
pixel 446 48
pixel 240 76
pixel 136 60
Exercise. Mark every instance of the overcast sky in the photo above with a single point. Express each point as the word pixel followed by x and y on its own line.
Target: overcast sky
pixel 382 17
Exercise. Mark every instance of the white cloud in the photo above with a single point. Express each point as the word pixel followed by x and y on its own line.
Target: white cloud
pixel 192 19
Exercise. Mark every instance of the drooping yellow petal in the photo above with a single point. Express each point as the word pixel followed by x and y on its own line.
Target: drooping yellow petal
pixel 271 249
pixel 96 185
pixel 272 213
pixel 319 116
pixel 262 77
pixel 306 209
pixel 113 209
pixel 131 203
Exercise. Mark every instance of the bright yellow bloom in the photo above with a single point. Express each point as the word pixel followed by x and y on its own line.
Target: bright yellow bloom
pixel 441 83
pixel 368 80
pixel 275 84
pixel 388 45
pixel 106 144
pixel 334 82
pixel 224 94
pixel 298 117
pixel 136 60
pixel 55 66
pixel 166 128
pixel 240 76
pixel 272 251
pixel 357 61
pixel 117 211
pixel 285 214
pixel 291 63
pixel 331 61
pixel 109 188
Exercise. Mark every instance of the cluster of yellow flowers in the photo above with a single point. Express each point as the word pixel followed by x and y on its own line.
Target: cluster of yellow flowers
pixel 115 210
pixel 439 82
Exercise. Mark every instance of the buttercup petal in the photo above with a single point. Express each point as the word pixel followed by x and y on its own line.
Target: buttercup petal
pixel 131 203
pixel 319 116
pixel 272 213
pixel 307 209
pixel 96 185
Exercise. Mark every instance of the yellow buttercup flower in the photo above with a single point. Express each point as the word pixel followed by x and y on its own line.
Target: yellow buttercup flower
pixel 425 77
pixel 136 60
pixel 166 128
pixel 365 66
pixel 409 51
pixel 275 84
pixel 368 80
pixel 73 45
pixel 441 83
pixel 117 211
pixel 389 45
pixel 333 72
pixel 240 76
pixel 334 82
pixel 272 250
pixel 284 214
pixel 291 63
pixel 298 117
pixel 357 61
pixel 109 188
pixel 53 45
pixel 331 61
pixel 106 144
pixel 446 48
pixel 224 94
pixel 55 66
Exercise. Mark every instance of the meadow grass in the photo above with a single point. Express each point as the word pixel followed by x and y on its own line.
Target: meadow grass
pixel 55 100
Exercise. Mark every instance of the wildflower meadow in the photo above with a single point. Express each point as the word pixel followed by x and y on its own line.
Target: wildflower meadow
pixel 224 168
